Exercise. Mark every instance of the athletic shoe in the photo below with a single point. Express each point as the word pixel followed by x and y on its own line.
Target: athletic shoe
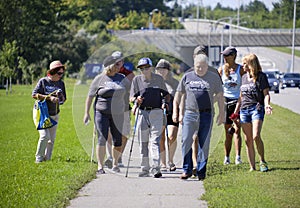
pixel 185 176
pixel 238 161
pixel 108 163
pixel 172 167
pixel 252 169
pixel 156 173
pixel 100 171
pixel 116 169
pixel 121 165
pixel 201 177
pixel 226 161
pixel 144 173
pixel 263 167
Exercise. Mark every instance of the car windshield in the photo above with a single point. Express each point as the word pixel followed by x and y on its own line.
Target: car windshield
pixel 269 75
pixel 292 75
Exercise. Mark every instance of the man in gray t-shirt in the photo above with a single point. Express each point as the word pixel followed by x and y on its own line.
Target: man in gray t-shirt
pixel 200 87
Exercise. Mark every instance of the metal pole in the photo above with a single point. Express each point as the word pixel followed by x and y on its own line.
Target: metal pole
pixel 293 41
pixel 222 45
pixel 238 14
pixel 198 16
pixel 230 31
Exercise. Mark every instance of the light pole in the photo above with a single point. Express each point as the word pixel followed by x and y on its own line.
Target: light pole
pixel 293 41
pixel 150 18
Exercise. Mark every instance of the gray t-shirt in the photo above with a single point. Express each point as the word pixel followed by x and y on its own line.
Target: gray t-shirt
pixel 252 93
pixel 200 90
pixel 171 84
pixel 110 93
pixel 152 90
pixel 45 86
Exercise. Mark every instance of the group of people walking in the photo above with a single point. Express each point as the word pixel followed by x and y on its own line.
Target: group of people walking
pixel 160 103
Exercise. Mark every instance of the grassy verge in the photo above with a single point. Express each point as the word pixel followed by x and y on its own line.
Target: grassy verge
pixel 235 186
pixel 51 184
pixel 24 183
pixel 286 50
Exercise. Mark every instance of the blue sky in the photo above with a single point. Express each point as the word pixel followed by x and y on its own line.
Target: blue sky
pixel 229 3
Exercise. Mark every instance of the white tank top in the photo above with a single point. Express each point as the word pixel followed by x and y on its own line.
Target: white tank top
pixel 232 83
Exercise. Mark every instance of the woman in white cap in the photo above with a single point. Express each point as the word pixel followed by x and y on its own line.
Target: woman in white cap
pixel 163 68
pixel 45 86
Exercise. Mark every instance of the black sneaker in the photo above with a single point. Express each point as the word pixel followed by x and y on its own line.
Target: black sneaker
pixel 108 163
pixel 201 177
pixel 144 173
pixel 157 175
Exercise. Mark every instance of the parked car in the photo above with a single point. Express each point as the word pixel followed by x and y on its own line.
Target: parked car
pixel 273 82
pixel 290 80
pixel 276 72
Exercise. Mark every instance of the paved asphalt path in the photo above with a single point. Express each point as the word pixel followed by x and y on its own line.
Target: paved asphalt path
pixel 115 190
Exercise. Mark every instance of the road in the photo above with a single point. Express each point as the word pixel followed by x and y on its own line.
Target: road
pixel 273 58
pixel 289 97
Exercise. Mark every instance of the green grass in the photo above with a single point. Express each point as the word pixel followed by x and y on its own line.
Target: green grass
pixel 51 184
pixel 286 50
pixel 24 183
pixel 235 186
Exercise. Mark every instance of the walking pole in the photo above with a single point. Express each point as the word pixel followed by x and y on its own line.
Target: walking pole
pixel 166 128
pixel 93 142
pixel 134 130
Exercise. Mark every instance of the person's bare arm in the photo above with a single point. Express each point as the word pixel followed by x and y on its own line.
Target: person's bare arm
pixel 176 106
pixel 88 103
pixel 220 99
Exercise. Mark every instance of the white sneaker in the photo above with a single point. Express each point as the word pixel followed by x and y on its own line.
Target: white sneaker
pixel 238 161
pixel 226 161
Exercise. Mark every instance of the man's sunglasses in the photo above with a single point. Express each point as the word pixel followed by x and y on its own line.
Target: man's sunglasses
pixel 145 68
pixel 59 73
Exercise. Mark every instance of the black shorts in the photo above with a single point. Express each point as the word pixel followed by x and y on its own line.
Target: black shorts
pixel 170 121
pixel 230 107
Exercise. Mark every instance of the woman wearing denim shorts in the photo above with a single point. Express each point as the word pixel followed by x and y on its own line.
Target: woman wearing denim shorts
pixel 253 103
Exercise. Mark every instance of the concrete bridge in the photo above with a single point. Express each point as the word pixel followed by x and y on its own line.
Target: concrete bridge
pixel 213 34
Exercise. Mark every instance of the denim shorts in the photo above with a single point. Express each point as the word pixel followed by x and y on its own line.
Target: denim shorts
pixel 251 113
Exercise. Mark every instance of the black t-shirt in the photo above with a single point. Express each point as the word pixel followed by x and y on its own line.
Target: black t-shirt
pixel 152 90
pixel 252 93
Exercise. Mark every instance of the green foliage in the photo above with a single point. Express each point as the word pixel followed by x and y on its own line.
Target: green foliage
pixel 134 20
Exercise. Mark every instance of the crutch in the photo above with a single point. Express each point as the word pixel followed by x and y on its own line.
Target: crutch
pixel 93 142
pixel 134 130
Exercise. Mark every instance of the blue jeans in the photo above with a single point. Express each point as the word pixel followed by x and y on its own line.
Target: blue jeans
pixel 251 113
pixel 200 124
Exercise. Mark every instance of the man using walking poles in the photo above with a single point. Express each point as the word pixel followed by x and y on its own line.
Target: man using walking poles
pixel 149 92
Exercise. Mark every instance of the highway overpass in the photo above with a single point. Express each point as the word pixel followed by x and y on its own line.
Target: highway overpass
pixel 213 34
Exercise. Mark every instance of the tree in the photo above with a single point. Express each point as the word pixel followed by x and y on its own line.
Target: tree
pixel 8 59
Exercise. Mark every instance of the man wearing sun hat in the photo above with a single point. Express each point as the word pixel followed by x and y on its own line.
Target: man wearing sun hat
pixel 149 92
pixel 51 84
